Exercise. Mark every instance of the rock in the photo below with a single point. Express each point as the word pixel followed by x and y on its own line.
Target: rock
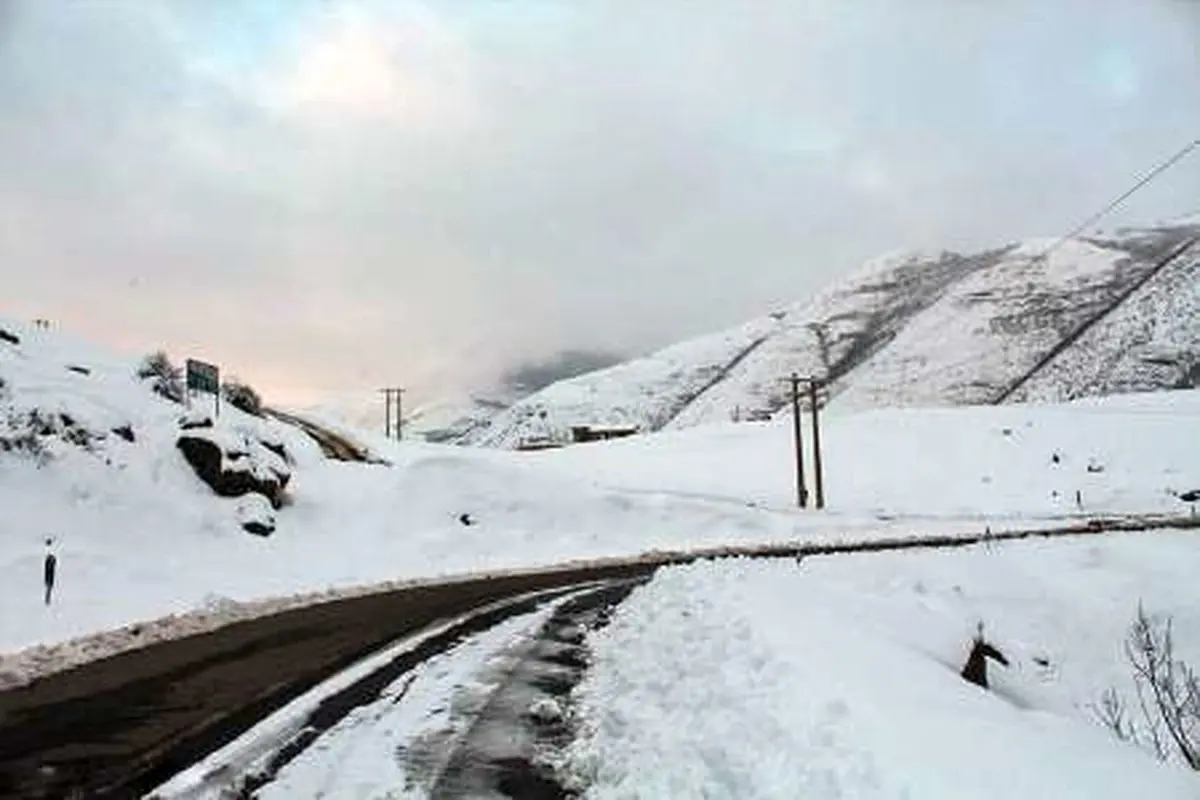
pixel 11 338
pixel 256 515
pixel 193 420
pixel 125 432
pixel 233 465
pixel 546 710
pixel 975 670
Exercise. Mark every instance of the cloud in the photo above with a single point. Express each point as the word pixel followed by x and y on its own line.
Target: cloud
pixel 330 196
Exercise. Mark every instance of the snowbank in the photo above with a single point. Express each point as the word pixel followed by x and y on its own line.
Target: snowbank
pixel 838 677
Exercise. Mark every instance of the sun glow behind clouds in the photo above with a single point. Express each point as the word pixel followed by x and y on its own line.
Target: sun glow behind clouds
pixel 347 68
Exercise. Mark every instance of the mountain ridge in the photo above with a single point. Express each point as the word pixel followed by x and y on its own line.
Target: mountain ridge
pixel 1041 319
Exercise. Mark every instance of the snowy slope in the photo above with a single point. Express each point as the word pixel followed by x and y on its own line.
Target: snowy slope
pixel 918 330
pixel 1150 341
pixel 835 333
pixel 138 535
pixel 1122 454
pixel 646 393
pixel 839 678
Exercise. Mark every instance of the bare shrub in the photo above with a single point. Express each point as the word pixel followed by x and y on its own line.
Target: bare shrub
pixel 242 396
pixel 1167 691
pixel 167 378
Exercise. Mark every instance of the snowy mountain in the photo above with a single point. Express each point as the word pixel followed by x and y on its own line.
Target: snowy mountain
pixel 1037 320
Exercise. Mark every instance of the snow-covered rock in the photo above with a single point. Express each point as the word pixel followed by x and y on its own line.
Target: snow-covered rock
pixel 256 514
pixel 233 462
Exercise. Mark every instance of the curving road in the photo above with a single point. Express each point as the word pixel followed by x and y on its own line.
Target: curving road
pixel 120 727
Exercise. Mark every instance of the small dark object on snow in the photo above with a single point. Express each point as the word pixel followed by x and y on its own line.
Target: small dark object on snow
pixel 1094 468
pixel 1190 496
pixel 976 669
pixel 11 338
pixel 1056 459
pixel 49 569
pixel 1006 431
pixel 1041 661
pixel 125 432
pixel 79 369
pixel 1079 499
pixel 258 527
pixel 466 519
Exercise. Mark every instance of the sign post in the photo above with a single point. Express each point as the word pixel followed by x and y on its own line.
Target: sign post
pixel 204 377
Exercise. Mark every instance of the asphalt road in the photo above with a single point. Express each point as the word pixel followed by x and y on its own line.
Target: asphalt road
pixel 119 727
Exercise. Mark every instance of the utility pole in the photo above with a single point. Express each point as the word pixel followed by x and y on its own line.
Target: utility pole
pixel 818 472
pixel 387 418
pixel 399 415
pixel 388 394
pixel 801 488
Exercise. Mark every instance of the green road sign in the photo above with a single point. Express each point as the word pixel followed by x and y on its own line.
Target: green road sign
pixel 202 377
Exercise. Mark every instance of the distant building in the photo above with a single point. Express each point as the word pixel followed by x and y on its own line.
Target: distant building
pixel 600 433
pixel 539 443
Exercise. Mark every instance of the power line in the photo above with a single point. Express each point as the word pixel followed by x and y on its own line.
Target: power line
pixel 1150 176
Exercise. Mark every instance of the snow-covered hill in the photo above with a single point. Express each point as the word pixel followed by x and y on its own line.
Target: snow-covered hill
pixel 94 462
pixel 1038 320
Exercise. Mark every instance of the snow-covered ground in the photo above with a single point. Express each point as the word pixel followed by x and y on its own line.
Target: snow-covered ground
pixel 1130 453
pixel 138 536
pixel 838 677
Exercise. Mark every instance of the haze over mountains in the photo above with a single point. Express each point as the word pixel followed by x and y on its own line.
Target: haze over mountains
pixel 1039 320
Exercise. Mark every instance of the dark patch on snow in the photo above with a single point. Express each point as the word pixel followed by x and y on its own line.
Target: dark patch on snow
pixel 975 670
pixel 7 336
pixel 258 528
pixel 79 370
pixel 195 423
pixel 125 432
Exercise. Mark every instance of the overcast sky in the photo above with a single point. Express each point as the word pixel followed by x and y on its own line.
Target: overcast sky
pixel 331 196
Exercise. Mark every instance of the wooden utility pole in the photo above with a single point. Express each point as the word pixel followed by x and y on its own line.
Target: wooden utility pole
pixel 388 394
pixel 801 487
pixel 818 472
pixel 399 415
pixel 387 415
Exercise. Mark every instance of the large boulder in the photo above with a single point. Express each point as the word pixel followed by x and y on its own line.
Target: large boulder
pixel 234 464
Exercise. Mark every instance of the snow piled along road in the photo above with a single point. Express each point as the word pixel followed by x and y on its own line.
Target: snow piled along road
pixel 838 677
pixel 139 537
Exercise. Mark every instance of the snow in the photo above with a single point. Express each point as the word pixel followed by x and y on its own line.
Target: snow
pixel 395 747
pixel 990 329
pixel 146 551
pixel 645 393
pixel 913 329
pixel 1152 340
pixel 360 751
pixel 787 657
pixel 838 677
pixel 986 462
